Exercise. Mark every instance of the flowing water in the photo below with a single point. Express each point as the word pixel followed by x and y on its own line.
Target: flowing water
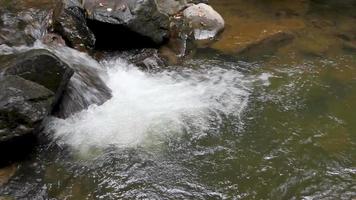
pixel 217 127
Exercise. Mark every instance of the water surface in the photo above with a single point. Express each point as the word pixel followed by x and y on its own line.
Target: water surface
pixel 282 126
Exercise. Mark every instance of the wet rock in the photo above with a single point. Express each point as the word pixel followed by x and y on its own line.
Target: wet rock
pixel 142 17
pixel 198 1
pixel 22 27
pixel 6 173
pixel 69 21
pixel 53 39
pixel 171 7
pixel 196 26
pixel 41 67
pixel 147 59
pixel 31 83
pixel 85 88
pixel 169 55
pixel 204 21
pixel 265 46
pixel 23 105
pixel 349 46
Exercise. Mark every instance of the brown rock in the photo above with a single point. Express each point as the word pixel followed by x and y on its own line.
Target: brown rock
pixel 6 173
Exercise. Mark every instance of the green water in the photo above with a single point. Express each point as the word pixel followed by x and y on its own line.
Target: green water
pixel 296 139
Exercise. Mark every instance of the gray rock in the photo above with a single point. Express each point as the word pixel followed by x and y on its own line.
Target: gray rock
pixel 142 16
pixel 69 21
pixel 23 105
pixel 204 21
pixel 198 26
pixel 171 7
pixel 31 84
pixel 41 67
pixel 146 59
pixel 198 1
pixel 85 88
pixel 21 27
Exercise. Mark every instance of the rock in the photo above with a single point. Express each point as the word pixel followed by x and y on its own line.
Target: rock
pixel 204 21
pixel 198 1
pixel 23 105
pixel 6 173
pixel 69 21
pixel 85 88
pixel 142 17
pixel 349 46
pixel 21 27
pixel 314 44
pixel 53 39
pixel 147 59
pixel 169 55
pixel 41 67
pixel 171 7
pixel 197 26
pixel 31 84
pixel 6 198
pixel 265 46
pixel 348 39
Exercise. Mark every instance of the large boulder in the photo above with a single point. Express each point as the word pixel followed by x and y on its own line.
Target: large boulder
pixel 142 16
pixel 31 83
pixel 80 23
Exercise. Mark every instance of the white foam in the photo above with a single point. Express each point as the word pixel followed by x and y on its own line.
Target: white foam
pixel 152 106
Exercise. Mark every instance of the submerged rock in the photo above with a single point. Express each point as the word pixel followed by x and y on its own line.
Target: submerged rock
pixel 31 83
pixel 265 46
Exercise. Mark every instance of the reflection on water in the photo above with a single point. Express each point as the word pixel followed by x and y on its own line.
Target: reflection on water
pixel 295 139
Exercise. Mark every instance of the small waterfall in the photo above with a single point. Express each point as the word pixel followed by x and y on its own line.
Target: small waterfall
pixel 115 103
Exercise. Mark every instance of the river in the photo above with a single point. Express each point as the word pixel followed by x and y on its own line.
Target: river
pixel 280 126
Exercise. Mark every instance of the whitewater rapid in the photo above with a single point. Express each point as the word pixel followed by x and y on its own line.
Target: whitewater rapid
pixel 150 107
